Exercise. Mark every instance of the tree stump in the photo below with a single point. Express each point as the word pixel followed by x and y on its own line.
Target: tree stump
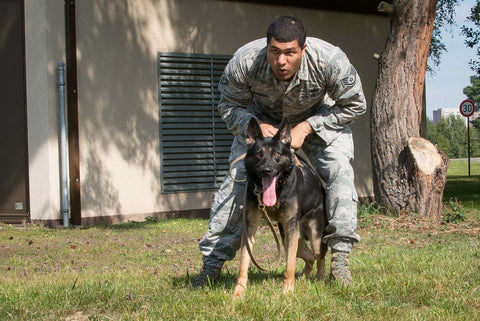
pixel 427 172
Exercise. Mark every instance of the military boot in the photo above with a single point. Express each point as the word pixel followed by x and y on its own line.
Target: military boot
pixel 339 268
pixel 207 276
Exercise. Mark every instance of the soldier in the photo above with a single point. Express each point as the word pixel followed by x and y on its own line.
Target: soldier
pixel 312 84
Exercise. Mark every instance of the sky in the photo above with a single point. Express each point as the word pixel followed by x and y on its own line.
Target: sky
pixel 445 87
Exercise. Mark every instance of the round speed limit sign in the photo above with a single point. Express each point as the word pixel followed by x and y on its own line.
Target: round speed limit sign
pixel 467 108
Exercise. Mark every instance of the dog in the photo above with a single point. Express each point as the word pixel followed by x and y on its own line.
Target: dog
pixel 292 195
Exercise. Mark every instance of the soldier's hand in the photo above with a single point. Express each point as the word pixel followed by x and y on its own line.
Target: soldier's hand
pixel 267 129
pixel 299 133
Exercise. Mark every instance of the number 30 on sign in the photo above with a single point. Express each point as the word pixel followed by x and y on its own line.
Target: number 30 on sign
pixel 467 108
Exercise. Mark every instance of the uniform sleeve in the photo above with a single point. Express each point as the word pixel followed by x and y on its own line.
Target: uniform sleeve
pixel 235 98
pixel 344 88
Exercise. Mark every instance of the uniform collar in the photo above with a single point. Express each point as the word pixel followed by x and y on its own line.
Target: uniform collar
pixel 303 70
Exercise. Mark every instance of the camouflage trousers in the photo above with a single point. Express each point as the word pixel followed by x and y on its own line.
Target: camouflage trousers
pixel 332 163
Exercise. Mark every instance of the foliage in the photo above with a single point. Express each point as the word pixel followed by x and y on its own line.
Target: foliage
pixel 440 140
pixel 475 140
pixel 472 35
pixel 454 211
pixel 367 211
pixel 450 136
pixel 476 123
pixel 455 130
pixel 444 17
pixel 437 48
pixel 473 91
pixel 471 31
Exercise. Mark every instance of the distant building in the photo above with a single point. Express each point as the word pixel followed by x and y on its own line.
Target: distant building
pixel 445 113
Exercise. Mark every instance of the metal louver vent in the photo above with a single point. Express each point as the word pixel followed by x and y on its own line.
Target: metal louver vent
pixel 194 140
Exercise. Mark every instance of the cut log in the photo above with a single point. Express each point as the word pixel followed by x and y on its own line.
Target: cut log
pixel 427 171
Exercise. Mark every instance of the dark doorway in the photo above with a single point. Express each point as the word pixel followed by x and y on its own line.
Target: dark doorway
pixel 14 200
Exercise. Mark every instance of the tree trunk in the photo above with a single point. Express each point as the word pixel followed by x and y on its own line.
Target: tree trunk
pixel 396 115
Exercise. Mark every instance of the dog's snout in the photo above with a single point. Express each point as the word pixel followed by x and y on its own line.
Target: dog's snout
pixel 266 171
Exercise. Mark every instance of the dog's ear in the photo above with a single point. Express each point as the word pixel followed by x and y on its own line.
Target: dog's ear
pixel 254 132
pixel 284 133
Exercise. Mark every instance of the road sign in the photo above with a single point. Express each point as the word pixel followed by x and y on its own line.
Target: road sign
pixel 467 108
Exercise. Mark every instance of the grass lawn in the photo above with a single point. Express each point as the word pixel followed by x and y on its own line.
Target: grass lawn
pixel 461 186
pixel 459 167
pixel 403 270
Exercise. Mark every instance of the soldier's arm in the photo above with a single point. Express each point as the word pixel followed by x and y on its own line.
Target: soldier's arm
pixel 235 98
pixel 344 87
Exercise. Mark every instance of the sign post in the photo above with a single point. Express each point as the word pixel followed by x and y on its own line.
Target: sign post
pixel 467 108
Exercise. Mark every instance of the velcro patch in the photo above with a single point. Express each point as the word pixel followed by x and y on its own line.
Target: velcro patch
pixel 351 79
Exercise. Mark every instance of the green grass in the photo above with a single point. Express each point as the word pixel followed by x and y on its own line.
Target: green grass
pixel 403 270
pixel 459 167
pixel 461 186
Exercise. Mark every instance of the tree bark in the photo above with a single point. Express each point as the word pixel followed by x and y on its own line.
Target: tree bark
pixel 427 172
pixel 396 114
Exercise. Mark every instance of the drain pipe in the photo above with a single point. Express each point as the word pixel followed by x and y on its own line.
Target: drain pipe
pixel 64 206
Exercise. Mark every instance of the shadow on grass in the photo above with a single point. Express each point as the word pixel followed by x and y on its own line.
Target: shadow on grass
pixel 148 222
pixel 464 188
pixel 129 225
pixel 228 278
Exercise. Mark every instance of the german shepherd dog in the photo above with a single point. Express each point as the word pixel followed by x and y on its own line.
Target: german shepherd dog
pixel 292 195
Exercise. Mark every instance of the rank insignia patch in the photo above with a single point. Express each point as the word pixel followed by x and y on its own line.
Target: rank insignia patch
pixel 350 80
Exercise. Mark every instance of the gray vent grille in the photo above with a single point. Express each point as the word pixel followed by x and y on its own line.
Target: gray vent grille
pixel 194 141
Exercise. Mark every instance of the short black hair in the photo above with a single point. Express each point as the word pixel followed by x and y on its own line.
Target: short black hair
pixel 286 29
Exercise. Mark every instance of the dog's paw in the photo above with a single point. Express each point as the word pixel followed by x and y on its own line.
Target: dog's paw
pixel 306 271
pixel 239 291
pixel 288 287
pixel 321 270
pixel 321 274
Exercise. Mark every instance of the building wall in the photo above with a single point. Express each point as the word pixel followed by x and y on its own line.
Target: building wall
pixel 44 45
pixel 445 113
pixel 117 47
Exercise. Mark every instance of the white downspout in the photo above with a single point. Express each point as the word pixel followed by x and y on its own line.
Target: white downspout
pixel 64 206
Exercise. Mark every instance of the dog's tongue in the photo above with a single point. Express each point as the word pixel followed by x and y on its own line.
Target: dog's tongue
pixel 269 195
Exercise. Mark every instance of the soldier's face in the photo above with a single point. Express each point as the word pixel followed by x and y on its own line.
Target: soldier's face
pixel 284 58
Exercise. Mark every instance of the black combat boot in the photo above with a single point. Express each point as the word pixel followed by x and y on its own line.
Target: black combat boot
pixel 207 276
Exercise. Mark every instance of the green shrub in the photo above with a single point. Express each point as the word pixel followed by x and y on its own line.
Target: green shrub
pixel 367 211
pixel 454 212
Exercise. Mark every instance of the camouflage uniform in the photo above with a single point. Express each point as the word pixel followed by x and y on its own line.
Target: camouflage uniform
pixel 327 93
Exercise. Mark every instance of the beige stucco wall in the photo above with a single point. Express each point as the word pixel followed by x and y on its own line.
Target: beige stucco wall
pixel 118 43
pixel 44 46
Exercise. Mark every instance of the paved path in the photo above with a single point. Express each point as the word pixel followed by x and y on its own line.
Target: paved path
pixel 476 159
